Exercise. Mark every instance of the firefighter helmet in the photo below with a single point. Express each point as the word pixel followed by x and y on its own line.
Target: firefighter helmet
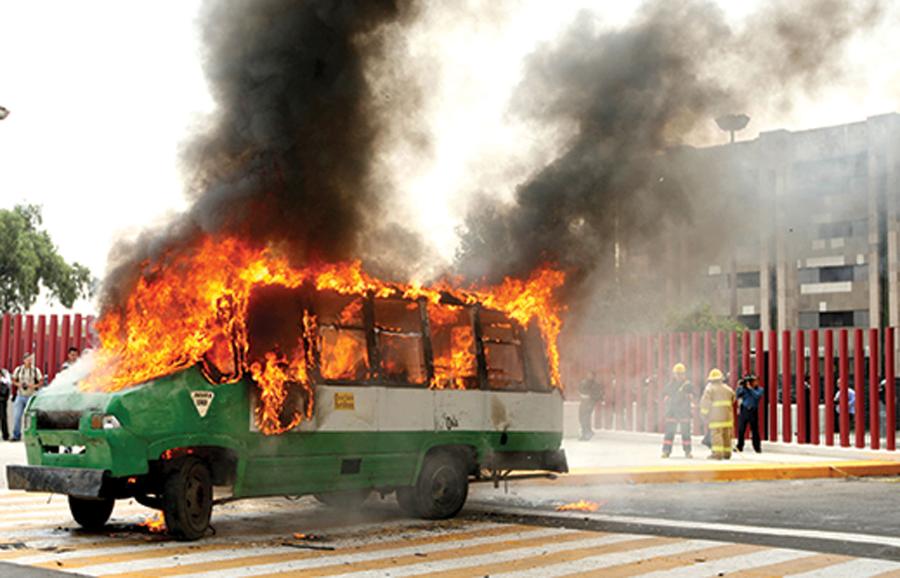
pixel 715 375
pixel 679 368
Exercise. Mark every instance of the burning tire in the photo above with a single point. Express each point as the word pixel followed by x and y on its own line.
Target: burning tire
pixel 91 513
pixel 187 499
pixel 346 500
pixel 441 490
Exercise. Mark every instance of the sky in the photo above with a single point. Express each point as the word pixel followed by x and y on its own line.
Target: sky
pixel 103 93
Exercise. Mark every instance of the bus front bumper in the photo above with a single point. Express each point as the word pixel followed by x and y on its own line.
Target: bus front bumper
pixel 81 482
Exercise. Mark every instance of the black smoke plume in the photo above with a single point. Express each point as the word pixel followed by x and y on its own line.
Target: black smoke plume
pixel 628 97
pixel 289 157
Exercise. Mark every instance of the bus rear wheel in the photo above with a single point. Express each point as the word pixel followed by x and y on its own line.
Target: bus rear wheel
pixel 441 490
pixel 91 513
pixel 187 499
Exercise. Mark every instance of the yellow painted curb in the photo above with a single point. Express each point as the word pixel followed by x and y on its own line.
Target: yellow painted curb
pixel 726 472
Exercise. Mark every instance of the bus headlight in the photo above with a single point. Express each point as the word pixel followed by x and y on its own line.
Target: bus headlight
pixel 104 421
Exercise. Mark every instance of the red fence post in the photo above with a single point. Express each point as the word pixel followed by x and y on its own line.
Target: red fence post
pixel 661 377
pixel 17 342
pixel 829 387
pixel 76 329
pixel 890 392
pixel 28 347
pixel 732 374
pixel 874 422
pixel 53 352
pixel 800 385
pixel 64 340
pixel 696 369
pixel 41 338
pixel 4 342
pixel 786 428
pixel 649 412
pixel 843 405
pixel 620 383
pixel 745 352
pixel 772 391
pixel 760 375
pixel 628 385
pixel 698 389
pixel 859 387
pixel 814 387
pixel 720 351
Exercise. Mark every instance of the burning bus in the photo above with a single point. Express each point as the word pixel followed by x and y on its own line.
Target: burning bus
pixel 232 374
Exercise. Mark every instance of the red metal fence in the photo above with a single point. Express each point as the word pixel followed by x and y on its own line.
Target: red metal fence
pixel 808 387
pixel 47 336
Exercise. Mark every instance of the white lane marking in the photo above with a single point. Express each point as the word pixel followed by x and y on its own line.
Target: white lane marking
pixel 730 564
pixel 350 558
pixel 612 559
pixel 858 568
pixel 715 526
pixel 494 557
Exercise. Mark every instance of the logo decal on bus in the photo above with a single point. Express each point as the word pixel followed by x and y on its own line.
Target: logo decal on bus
pixel 202 400
pixel 344 400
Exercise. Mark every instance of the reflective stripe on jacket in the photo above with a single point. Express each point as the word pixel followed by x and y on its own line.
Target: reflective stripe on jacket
pixel 716 405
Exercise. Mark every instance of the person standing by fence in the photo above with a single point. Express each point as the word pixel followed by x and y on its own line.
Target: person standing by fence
pixel 27 380
pixel 716 406
pixel 679 399
pixel 5 388
pixel 591 391
pixel 749 393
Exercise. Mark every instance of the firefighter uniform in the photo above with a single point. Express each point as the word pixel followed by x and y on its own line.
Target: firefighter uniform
pixel 716 406
pixel 679 397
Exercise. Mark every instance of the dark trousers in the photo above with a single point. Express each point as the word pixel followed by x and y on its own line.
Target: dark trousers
pixel 585 415
pixel 749 417
pixel 4 427
pixel 671 424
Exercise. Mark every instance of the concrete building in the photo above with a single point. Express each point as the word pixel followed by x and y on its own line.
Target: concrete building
pixel 821 246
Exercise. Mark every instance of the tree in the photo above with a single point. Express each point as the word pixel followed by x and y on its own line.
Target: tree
pixel 29 260
pixel 702 318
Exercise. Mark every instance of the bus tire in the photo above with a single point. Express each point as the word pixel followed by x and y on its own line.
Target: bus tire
pixel 187 499
pixel 91 513
pixel 344 500
pixel 442 488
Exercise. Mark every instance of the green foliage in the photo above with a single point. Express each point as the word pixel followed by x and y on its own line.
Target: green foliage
pixel 29 261
pixel 701 318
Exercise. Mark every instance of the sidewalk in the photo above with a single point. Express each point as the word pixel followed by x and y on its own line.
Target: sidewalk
pixel 616 457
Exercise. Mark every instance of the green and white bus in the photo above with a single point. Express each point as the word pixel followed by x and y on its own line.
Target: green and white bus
pixel 405 396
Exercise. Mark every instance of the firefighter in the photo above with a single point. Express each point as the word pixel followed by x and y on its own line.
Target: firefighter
pixel 749 393
pixel 678 399
pixel 716 406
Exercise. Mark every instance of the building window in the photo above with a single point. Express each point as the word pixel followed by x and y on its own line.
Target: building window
pixel 809 319
pixel 836 319
pixel 747 280
pixel 838 229
pixel 836 274
pixel 750 321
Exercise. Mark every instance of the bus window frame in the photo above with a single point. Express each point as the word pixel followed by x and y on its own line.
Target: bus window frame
pixel 380 378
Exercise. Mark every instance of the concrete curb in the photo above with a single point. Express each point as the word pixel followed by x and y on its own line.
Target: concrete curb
pixel 727 472
pixel 771 447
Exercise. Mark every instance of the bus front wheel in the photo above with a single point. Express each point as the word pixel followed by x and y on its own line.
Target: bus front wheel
pixel 91 514
pixel 441 490
pixel 187 499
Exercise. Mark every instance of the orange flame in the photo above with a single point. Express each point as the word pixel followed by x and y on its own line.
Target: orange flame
pixel 191 307
pixel 155 523
pixel 579 506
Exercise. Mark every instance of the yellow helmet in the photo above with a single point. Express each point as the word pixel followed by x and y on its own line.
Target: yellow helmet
pixel 679 368
pixel 715 375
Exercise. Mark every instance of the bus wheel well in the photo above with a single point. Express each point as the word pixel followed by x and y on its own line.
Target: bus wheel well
pixel 465 453
pixel 222 462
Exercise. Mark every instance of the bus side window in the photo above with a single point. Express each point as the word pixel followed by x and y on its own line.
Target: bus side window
pixel 398 336
pixel 453 346
pixel 502 352
pixel 341 339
